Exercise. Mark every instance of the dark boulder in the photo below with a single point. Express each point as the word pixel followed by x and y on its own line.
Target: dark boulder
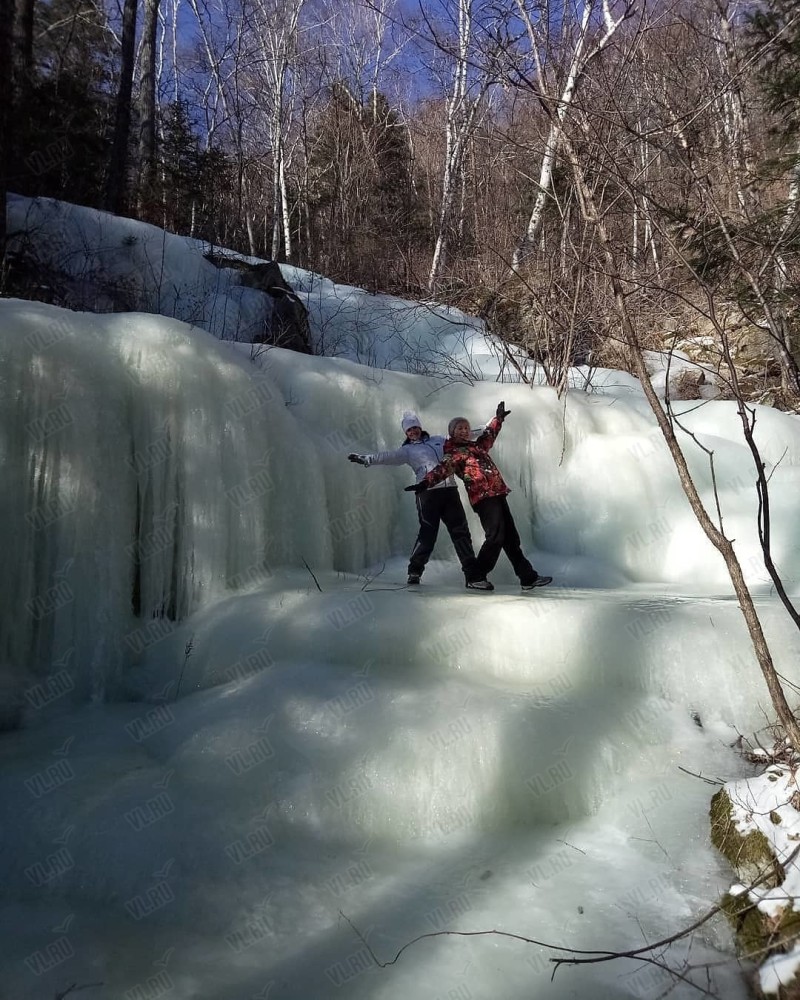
pixel 289 324
pixel 289 318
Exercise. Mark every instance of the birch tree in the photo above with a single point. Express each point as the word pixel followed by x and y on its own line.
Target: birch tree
pixel 6 47
pixel 213 94
pixel 583 42
pixel 275 27
pixel 225 51
pixel 711 525
pixel 464 103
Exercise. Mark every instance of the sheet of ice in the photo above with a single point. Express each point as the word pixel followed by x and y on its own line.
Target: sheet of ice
pixel 340 751
pixel 307 740
pixel 150 467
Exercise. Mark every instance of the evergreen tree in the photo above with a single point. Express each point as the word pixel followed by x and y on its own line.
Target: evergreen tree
pixel 61 150
pixel 361 190
pixel 191 177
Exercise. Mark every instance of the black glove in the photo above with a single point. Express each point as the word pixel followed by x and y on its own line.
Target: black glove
pixel 358 459
pixel 416 488
pixel 502 412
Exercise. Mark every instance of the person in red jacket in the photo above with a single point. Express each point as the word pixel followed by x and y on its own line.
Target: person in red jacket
pixel 487 492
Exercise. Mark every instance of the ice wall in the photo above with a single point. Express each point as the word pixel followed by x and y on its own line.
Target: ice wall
pixel 142 474
pixel 149 468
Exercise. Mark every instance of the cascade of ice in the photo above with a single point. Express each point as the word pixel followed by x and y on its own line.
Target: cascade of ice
pixel 141 476
pixel 149 469
pixel 418 760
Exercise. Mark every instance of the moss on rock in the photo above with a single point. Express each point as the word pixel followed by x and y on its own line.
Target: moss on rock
pixel 758 935
pixel 745 919
pixel 749 853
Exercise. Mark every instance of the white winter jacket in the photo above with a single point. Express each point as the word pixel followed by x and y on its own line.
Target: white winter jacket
pixel 422 456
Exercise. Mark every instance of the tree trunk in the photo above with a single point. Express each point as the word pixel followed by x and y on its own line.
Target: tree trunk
pixel 461 119
pixel 116 186
pixel 146 106
pixel 25 21
pixel 528 242
pixel 6 97
pixel 276 192
pixel 719 540
pixel 287 232
pixel 579 61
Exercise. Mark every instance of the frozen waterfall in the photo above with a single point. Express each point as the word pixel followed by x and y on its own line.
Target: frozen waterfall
pixel 237 724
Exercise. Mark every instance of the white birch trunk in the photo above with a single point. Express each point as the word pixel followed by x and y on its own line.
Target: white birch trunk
pixel 580 59
pixel 462 115
pixel 175 72
pixel 276 37
pixel 251 238
pixel 287 231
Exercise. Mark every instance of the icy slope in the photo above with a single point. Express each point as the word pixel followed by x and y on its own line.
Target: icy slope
pixel 149 467
pixel 344 751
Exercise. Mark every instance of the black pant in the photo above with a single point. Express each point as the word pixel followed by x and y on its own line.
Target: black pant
pixel 434 506
pixel 501 533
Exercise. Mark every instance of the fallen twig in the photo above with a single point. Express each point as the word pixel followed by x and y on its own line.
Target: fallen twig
pixel 708 781
pixel 310 570
pixel 369 579
pixel 74 989
pixel 580 956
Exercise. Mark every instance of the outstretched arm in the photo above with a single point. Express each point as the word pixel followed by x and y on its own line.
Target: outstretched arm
pixel 489 436
pixel 397 457
pixel 440 472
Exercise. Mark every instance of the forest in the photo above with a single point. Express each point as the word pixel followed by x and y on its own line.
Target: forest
pixel 538 164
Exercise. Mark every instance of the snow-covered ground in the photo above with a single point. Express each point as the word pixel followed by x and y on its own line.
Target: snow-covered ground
pixel 189 807
pixel 769 803
pixel 110 261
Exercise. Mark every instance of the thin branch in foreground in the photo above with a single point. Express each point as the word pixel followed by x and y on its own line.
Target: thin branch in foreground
pixel 708 781
pixel 581 956
pixel 187 652
pixel 574 848
pixel 311 571
pixel 369 579
pixel 74 989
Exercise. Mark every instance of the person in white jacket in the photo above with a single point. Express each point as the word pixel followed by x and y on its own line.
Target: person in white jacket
pixel 442 503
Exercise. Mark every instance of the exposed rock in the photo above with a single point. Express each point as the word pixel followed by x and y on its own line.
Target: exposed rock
pixel 748 853
pixel 687 384
pixel 290 319
pixel 289 326
pixel 86 260
pixel 759 935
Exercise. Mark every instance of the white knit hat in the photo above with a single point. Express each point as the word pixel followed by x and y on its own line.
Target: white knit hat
pixel 410 419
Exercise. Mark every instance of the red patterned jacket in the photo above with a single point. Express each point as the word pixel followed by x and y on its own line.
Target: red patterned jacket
pixel 471 462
